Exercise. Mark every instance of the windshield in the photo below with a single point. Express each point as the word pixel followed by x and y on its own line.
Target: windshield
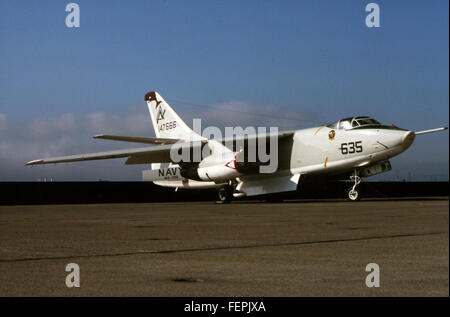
pixel 361 122
pixel 366 121
pixel 354 122
pixel 345 124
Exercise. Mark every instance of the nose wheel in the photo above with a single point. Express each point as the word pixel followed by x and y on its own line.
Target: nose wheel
pixel 353 194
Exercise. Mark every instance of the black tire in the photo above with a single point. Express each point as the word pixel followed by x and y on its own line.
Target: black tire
pixel 225 195
pixel 353 195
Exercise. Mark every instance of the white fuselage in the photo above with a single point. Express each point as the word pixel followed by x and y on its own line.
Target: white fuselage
pixel 316 150
pixel 313 151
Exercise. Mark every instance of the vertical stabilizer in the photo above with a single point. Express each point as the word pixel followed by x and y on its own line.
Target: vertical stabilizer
pixel 166 122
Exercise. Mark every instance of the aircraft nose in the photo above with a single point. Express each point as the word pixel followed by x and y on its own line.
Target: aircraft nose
pixel 408 139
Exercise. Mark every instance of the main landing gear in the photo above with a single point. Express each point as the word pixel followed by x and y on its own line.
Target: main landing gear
pixel 354 194
pixel 225 194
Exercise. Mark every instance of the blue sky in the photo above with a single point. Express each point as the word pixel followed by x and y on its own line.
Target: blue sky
pixel 307 60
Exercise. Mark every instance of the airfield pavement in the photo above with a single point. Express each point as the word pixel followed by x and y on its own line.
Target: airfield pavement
pixel 247 248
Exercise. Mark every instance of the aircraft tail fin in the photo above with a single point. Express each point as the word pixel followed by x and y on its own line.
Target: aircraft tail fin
pixel 166 122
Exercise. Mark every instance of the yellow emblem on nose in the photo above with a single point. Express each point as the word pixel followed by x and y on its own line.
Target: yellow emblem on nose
pixel 331 135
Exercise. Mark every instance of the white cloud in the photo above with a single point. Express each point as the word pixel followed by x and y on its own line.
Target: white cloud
pixel 22 141
pixel 45 127
pixel 239 113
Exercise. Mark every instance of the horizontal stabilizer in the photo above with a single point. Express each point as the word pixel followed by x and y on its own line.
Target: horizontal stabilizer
pixel 136 139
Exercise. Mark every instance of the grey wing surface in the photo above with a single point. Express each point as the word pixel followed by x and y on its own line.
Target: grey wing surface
pixel 144 155
pixel 136 139
pixel 231 142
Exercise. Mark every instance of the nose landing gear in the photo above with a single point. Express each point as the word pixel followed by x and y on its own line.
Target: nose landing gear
pixel 353 194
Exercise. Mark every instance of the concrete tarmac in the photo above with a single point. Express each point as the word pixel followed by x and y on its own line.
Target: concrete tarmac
pixel 247 248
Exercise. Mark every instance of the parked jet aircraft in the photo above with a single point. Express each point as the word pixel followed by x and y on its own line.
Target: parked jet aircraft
pixel 353 147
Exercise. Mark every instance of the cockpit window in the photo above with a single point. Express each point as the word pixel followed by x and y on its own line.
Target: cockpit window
pixel 366 121
pixel 355 122
pixel 361 122
pixel 345 124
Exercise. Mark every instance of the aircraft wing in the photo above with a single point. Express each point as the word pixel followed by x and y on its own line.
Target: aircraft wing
pixel 144 155
pixel 135 139
pixel 233 143
pixel 151 154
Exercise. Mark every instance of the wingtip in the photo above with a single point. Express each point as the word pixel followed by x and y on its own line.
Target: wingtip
pixel 34 162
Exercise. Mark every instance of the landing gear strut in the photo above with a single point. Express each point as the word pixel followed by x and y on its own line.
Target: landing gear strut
pixel 353 194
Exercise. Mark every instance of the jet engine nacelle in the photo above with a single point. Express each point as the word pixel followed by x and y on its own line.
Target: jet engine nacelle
pixel 218 167
pixel 228 166
pixel 217 173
